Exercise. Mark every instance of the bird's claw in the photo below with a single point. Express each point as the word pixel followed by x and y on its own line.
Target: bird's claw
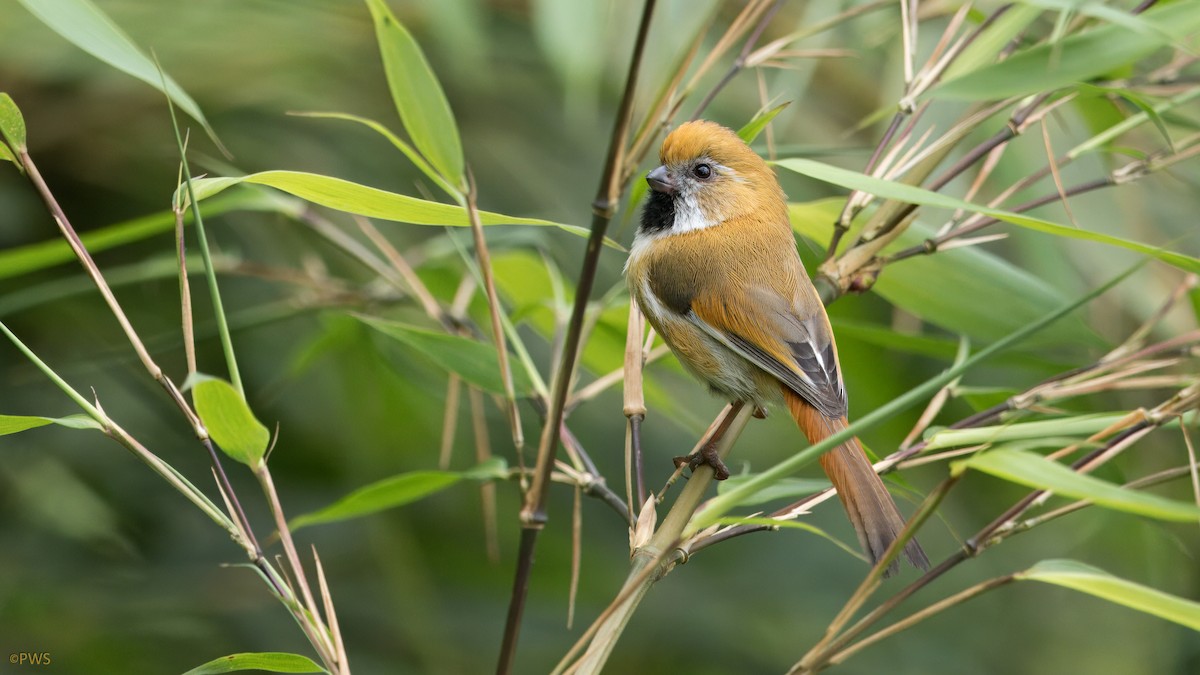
pixel 706 455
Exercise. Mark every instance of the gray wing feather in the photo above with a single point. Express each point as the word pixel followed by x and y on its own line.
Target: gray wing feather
pixel 819 382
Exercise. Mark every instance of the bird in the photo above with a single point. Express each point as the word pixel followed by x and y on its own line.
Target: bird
pixel 715 270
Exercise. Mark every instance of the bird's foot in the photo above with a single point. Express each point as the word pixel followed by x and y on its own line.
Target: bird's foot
pixel 706 455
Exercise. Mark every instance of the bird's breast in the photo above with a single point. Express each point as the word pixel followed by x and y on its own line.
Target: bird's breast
pixel 664 276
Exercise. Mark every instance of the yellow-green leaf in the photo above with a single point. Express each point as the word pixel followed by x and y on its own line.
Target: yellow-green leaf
pixel 32 257
pixel 343 195
pixel 271 662
pixel 11 424
pixel 760 121
pixel 12 126
pixel 475 361
pixel 915 195
pixel 1077 58
pixel 397 491
pixel 86 27
pixel 6 155
pixel 984 48
pixel 1073 426
pixel 1097 582
pixel 993 298
pixel 788 488
pixel 230 422
pixel 1035 471
pixel 417 94
pixel 408 151
pixel 792 525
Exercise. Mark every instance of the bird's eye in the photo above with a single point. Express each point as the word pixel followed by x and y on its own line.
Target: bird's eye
pixel 702 171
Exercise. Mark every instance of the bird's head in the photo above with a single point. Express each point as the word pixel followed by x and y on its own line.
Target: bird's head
pixel 708 175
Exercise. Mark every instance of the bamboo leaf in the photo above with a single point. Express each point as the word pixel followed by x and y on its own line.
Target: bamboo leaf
pixel 1077 58
pixel 21 260
pixel 397 491
pixel 418 96
pixel 343 195
pixel 992 40
pixel 1074 426
pixel 82 24
pixel 474 361
pixel 6 155
pixel 18 423
pixel 271 662
pixel 793 525
pixel 884 336
pixel 915 195
pixel 1099 10
pixel 1033 470
pixel 760 121
pixel 12 127
pixel 12 424
pixel 399 143
pixel 994 296
pixel 1136 99
pixel 788 488
pixel 1101 584
pixel 230 421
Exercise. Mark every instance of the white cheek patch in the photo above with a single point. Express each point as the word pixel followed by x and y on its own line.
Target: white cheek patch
pixel 689 216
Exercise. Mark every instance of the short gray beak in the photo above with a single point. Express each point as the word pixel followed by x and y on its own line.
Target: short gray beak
pixel 660 182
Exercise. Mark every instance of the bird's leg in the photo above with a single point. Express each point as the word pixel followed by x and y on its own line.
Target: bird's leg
pixel 707 452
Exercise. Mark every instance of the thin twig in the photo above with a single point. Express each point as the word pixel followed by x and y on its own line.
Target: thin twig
pixel 533 512
pixel 740 61
pixel 489 285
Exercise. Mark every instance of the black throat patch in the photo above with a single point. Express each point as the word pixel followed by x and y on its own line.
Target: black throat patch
pixel 658 214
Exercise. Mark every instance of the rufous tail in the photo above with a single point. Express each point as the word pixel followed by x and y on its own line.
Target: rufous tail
pixel 871 509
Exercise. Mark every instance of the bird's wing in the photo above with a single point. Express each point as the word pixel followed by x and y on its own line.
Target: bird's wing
pixel 770 331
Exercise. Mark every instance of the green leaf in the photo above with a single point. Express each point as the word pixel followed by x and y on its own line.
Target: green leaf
pixel 992 40
pixel 788 488
pixel 12 126
pixel 419 99
pixel 1099 10
pixel 1097 582
pixel 21 260
pixel 993 297
pixel 1074 59
pixel 760 121
pixel 272 662
pixel 6 155
pixel 230 421
pixel 1074 426
pixel 792 525
pixel 882 336
pixel 412 155
pixel 11 424
pixel 1136 99
pixel 915 195
pixel 349 197
pixel 396 491
pixel 86 27
pixel 1033 470
pixel 475 361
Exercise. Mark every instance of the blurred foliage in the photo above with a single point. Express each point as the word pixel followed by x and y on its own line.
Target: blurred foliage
pixel 110 571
